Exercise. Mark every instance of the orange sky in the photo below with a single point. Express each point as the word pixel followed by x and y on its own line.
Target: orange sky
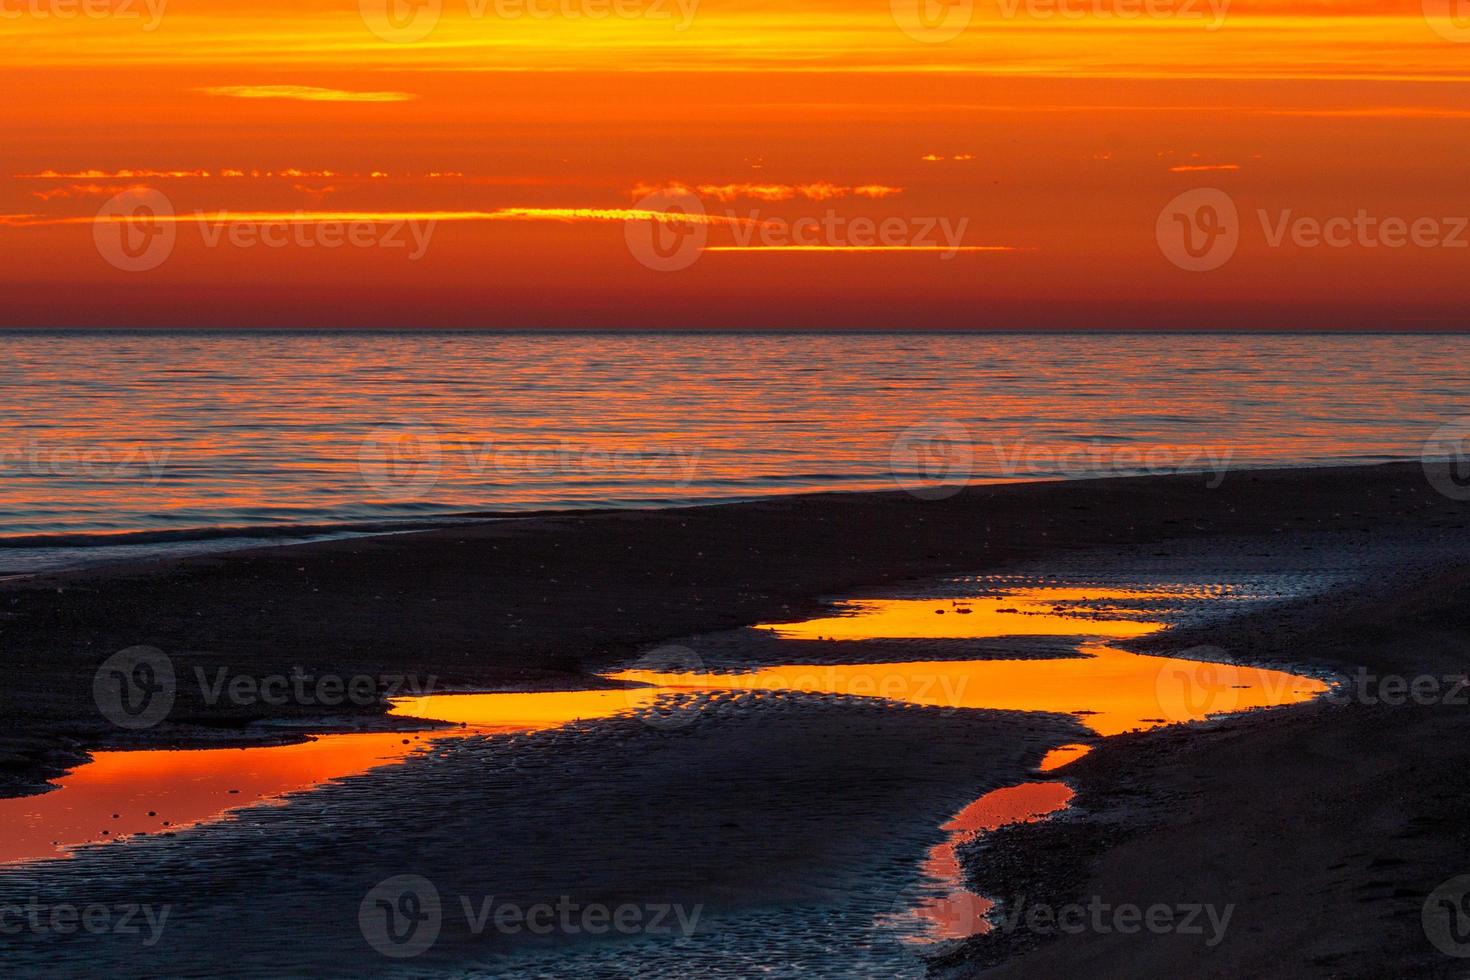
pixel 1001 164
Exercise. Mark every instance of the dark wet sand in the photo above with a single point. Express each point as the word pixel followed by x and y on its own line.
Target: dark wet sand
pixel 1327 826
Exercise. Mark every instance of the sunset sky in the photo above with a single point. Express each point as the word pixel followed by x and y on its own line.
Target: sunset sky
pixel 1006 164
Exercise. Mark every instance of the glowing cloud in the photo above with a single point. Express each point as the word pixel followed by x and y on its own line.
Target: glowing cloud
pixel 303 93
pixel 317 217
pixel 821 190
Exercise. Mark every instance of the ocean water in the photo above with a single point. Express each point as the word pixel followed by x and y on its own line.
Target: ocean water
pixel 118 444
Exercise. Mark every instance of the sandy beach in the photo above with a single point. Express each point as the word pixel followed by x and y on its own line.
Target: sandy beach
pixel 789 820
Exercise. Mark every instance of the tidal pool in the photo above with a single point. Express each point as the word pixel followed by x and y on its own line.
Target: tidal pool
pixel 123 794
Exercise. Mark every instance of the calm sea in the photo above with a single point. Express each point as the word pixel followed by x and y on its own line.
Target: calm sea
pixel 117 444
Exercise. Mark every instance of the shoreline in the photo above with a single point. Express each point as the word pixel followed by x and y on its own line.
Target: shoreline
pixel 64 623
pixel 569 599
pixel 245 537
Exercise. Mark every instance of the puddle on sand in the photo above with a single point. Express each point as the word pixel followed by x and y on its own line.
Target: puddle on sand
pixel 1109 690
pixel 1062 755
pixel 953 911
pixel 129 793
pixel 124 794
pixel 1035 611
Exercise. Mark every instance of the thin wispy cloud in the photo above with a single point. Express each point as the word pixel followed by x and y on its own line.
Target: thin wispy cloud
pixel 868 248
pixel 821 190
pixel 303 93
pixel 567 215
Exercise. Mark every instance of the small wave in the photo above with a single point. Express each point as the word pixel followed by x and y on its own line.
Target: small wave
pixel 115 539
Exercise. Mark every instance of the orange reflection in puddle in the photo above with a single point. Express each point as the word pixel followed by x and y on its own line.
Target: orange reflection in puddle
pixel 959 912
pixel 1035 611
pixel 1110 690
pixel 1062 755
pixel 127 793
pixel 120 794
pixel 529 711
